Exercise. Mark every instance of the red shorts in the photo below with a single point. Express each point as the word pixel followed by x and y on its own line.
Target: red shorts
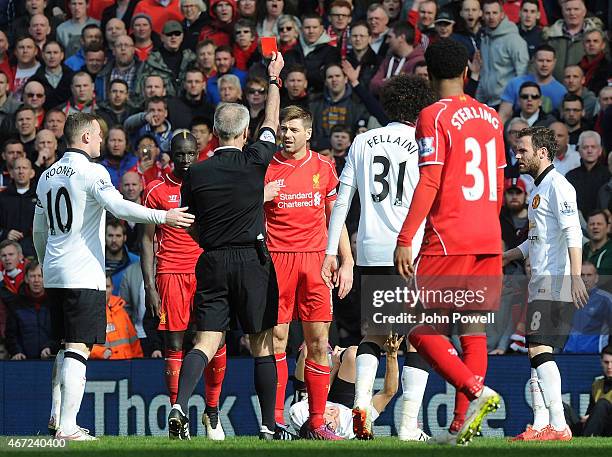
pixel 176 291
pixel 300 282
pixel 469 282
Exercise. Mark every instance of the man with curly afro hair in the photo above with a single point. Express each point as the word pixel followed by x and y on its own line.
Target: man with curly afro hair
pixel 461 160
pixel 382 165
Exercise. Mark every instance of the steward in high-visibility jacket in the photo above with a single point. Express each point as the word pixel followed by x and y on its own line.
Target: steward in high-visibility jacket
pixel 121 338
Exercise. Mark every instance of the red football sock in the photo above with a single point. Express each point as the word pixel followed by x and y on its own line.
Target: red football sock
pixel 174 360
pixel 442 356
pixel 475 357
pixel 316 378
pixel 282 374
pixel 213 377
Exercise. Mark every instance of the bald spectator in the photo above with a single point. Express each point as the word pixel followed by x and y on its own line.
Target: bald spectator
pixel 17 204
pixel 124 65
pixel 595 64
pixel 588 178
pixel 39 29
pixel 313 52
pixel 567 157
pixel 54 75
pixel 131 189
pixel 83 96
pixel 69 32
pixel 403 56
pixel 566 34
pixel 46 147
pixel 574 80
pixel 504 54
pixel 91 36
pixel 113 30
pixel 20 25
pixel 378 20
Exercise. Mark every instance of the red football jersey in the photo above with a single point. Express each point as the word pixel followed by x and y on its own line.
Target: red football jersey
pixel 295 219
pixel 466 138
pixel 176 251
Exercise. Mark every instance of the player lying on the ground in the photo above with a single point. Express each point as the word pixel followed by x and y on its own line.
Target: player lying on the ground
pixel 338 410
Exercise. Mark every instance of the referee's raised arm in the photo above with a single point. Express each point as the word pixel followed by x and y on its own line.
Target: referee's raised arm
pixel 273 101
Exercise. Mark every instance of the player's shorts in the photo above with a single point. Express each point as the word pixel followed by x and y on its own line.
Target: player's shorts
pixel 342 392
pixel 176 291
pixel 549 322
pixel 78 315
pixel 234 286
pixel 459 282
pixel 302 293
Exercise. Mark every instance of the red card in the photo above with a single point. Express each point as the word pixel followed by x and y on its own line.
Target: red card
pixel 268 46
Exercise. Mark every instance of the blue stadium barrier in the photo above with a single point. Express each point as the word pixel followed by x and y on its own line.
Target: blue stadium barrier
pixel 128 397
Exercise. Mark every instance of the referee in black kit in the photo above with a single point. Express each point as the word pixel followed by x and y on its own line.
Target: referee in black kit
pixel 235 277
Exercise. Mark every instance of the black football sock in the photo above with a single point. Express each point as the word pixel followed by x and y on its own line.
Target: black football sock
pixel 265 386
pixel 193 365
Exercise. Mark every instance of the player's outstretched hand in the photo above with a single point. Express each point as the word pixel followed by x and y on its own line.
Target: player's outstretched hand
pixel 179 218
pixel 579 292
pixel 329 270
pixel 403 262
pixel 276 64
pixel 392 343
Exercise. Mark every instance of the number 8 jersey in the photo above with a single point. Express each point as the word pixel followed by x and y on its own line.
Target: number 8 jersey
pixel 73 195
pixel 466 138
pixel 382 165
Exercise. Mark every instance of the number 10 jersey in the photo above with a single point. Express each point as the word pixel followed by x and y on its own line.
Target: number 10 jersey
pixel 466 138
pixel 382 165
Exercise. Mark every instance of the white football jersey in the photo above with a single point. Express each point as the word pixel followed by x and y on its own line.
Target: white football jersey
pixel 73 195
pixel 342 417
pixel 382 165
pixel 552 208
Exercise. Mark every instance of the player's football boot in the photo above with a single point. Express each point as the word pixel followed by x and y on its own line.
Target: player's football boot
pixel 265 433
pixel 52 425
pixel 214 429
pixel 362 423
pixel 320 433
pixel 548 433
pixel 80 434
pixel 178 425
pixel 488 402
pixel 530 434
pixel 444 438
pixel 413 435
pixel 282 433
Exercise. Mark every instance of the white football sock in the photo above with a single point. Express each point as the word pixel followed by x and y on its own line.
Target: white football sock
pixel 550 380
pixel 540 411
pixel 73 387
pixel 366 366
pixel 414 381
pixel 56 387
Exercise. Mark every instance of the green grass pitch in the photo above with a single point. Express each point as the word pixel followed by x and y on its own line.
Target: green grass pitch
pixel 137 446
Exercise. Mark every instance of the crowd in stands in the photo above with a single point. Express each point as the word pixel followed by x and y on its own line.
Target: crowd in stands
pixel 149 67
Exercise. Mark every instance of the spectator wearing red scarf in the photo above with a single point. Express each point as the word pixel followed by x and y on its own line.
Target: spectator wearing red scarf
pixel 288 32
pixel 340 18
pixel 245 43
pixel 596 67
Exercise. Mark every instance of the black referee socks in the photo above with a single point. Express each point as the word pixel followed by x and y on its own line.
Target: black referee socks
pixel 265 386
pixel 193 365
pixel 414 359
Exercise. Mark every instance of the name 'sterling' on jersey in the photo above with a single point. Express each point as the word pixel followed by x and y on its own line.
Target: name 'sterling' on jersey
pixel 468 113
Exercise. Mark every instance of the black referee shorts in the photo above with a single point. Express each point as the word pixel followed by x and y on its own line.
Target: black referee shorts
pixel 78 315
pixel 549 322
pixel 234 287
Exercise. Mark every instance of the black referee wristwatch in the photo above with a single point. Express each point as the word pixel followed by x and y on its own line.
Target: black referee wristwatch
pixel 276 81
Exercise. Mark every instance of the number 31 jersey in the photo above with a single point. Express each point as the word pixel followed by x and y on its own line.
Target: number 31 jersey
pixel 382 165
pixel 466 138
